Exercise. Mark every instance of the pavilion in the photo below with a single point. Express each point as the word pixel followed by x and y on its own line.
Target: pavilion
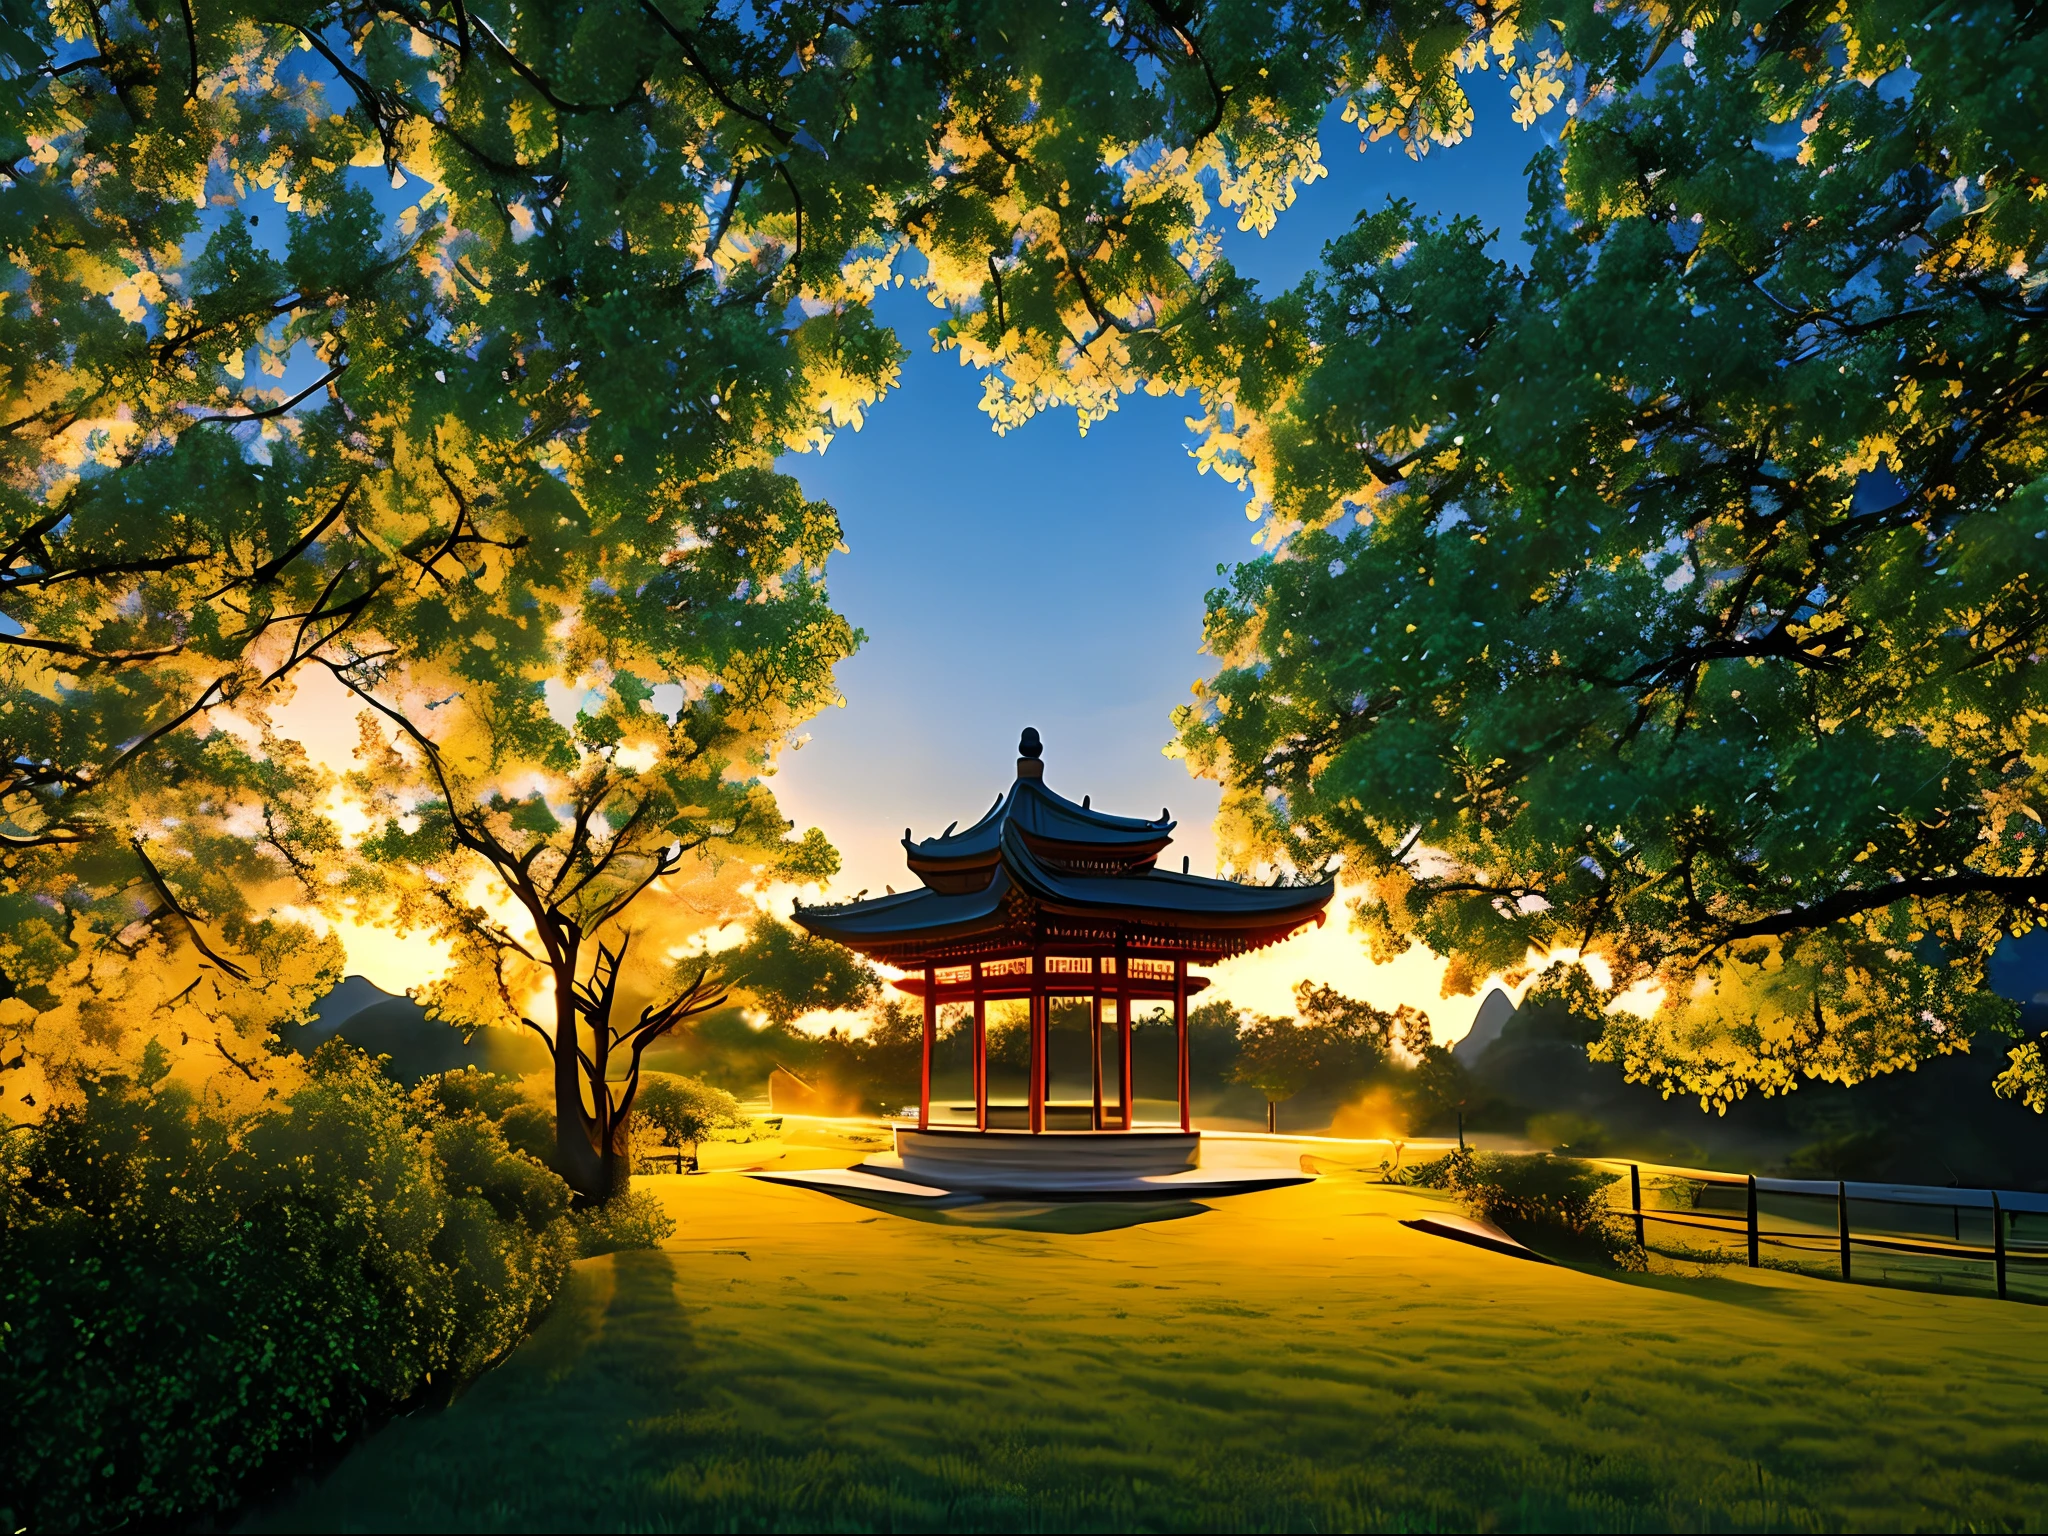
pixel 1034 939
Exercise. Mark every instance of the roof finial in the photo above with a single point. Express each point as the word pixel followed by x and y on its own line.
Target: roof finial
pixel 1029 750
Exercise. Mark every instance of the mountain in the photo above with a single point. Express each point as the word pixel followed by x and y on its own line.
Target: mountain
pixel 1494 1012
pixel 373 1020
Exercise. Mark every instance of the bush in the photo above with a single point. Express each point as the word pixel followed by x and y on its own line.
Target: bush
pixel 528 1126
pixel 1437 1173
pixel 625 1221
pixel 184 1298
pixel 1553 1203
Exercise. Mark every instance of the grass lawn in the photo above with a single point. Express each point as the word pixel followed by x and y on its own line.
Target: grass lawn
pixel 1293 1360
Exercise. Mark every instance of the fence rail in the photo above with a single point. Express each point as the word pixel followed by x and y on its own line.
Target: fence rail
pixel 2005 1251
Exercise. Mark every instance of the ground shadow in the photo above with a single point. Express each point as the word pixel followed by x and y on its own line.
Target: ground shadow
pixel 583 1404
pixel 1706 1287
pixel 1074 1218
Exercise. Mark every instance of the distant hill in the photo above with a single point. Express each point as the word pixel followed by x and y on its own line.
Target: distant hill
pixel 373 1020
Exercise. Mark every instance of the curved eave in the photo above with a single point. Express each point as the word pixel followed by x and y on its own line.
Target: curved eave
pixel 979 840
pixel 1054 817
pixel 1044 814
pixel 1161 897
pixel 922 915
pixel 1207 920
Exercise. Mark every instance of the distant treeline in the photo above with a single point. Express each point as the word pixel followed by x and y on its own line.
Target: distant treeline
pixel 1336 1064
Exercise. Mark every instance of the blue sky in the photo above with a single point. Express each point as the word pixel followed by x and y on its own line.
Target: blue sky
pixel 1053 580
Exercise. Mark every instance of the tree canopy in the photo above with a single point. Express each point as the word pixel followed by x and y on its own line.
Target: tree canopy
pixel 543 294
pixel 685 1110
pixel 1671 598
pixel 786 973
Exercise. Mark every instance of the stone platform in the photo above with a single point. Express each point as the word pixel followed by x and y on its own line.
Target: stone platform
pixel 1053 1165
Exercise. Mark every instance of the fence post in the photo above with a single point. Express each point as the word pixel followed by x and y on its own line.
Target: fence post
pixel 1635 1200
pixel 1998 1242
pixel 1752 1222
pixel 1842 1221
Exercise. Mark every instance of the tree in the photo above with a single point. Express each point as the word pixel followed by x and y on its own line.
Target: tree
pixel 787 973
pixel 633 260
pixel 1673 600
pixel 1368 1035
pixel 684 1110
pixel 543 849
pixel 1278 1057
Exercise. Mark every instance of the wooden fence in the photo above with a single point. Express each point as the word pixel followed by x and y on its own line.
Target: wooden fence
pixel 2004 1231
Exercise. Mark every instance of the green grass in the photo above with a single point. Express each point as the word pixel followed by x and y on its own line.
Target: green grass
pixel 1294 1360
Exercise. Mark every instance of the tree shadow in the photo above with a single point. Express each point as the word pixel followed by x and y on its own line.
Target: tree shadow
pixel 582 1403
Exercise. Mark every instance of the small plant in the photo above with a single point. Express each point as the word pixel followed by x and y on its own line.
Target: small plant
pixel 1390 1167
pixel 631 1220
pixel 1556 1203
pixel 1437 1173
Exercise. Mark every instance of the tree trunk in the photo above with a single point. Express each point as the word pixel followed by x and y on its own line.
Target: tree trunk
pixel 578 1159
pixel 618 1156
pixel 594 1146
pixel 1272 1118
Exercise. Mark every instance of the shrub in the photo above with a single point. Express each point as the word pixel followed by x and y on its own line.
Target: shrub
pixel 185 1297
pixel 527 1125
pixel 625 1221
pixel 1436 1173
pixel 1555 1203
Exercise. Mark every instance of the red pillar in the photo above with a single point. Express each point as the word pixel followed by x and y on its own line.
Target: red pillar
pixel 980 1055
pixel 1180 1031
pixel 1038 1033
pixel 1095 1040
pixel 931 1025
pixel 1123 1029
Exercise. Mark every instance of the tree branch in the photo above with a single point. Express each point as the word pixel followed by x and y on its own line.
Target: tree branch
pixel 2016 890
pixel 163 891
pixel 276 410
pixel 268 572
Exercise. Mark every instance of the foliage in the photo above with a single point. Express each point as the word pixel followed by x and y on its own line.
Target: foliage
pixel 1434 1173
pixel 188 1295
pixel 880 1065
pixel 1672 600
pixel 545 294
pixel 1340 1044
pixel 1563 1003
pixel 1276 1056
pixel 729 1051
pixel 631 1221
pixel 787 973
pixel 526 1122
pixel 1545 1200
pixel 682 1111
pixel 2025 1077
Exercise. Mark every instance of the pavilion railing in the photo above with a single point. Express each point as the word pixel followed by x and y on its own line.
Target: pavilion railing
pixel 1920 1234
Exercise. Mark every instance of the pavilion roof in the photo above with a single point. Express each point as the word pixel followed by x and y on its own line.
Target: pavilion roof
pixel 1038 811
pixel 1041 871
